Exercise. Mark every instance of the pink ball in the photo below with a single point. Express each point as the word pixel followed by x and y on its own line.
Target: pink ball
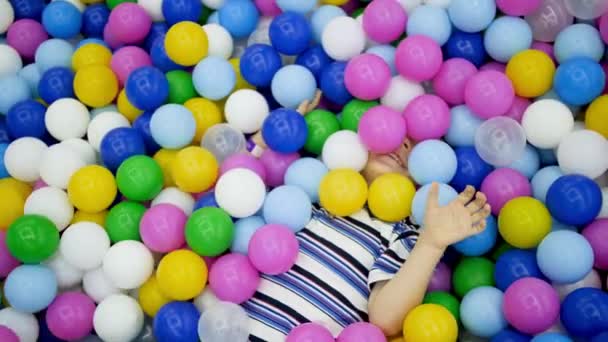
pixel 129 23
pixel 310 332
pixel 127 59
pixel 518 7
pixel 7 335
pixel 531 305
pixel 441 279
pixel 162 228
pixel 418 58
pixel 7 261
pixel 70 316
pixel 427 117
pixel 276 165
pixel 233 278
pixel 361 332
pixel 489 94
pixel 597 235
pixel 384 20
pixel 603 26
pixel 367 76
pixel 110 38
pixel 25 35
pixel 244 160
pixel 494 66
pixel 544 47
pixel 519 106
pixel 39 184
pixel 503 185
pixel 273 249
pixel 450 80
pixel 268 8
pixel 382 129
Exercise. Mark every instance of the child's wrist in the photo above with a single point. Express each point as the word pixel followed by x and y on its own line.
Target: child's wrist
pixel 426 242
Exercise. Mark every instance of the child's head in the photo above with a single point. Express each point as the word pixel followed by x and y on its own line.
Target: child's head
pixel 379 164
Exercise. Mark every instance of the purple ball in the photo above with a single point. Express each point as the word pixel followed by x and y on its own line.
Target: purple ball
pixel 441 279
pixel 70 316
pixel 7 335
pixel 233 278
pixel 129 23
pixel 310 332
pixel 276 164
pixel 361 332
pixel 382 129
pixel 244 160
pixel 503 185
pixel 273 249
pixel 25 36
pixel 531 305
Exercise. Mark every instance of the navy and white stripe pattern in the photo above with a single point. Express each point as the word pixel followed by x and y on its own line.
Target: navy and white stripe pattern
pixel 340 259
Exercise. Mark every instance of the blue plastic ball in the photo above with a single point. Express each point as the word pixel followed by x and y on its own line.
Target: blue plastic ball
pixel 542 181
pixel 28 9
pixel 481 243
pixel 176 11
pixel 564 256
pixel 172 126
pixel 481 311
pixel 285 130
pixel 292 85
pixel 94 19
pixel 315 59
pixel 466 45
pixel 579 80
pixel 259 63
pixel 30 288
pixel 446 195
pixel 157 30
pixel 142 125
pixel 31 74
pixel 290 33
pixel 26 119
pixel 306 173
pixel 244 230
pixel 601 337
pixel 529 162
pixel 551 337
pixel 214 78
pixel 206 200
pixel 4 135
pixel 147 88
pixel 13 89
pixel 579 40
pixel 332 83
pixel 431 21
pixel 472 16
pixel 507 36
pixel 432 161
pixel 176 321
pixel 463 126
pixel 239 17
pixel 3 172
pixel 61 19
pixel 120 144
pixel 159 56
pixel 321 17
pixel 513 265
pixel 508 335
pixel 574 200
pixel 299 6
pixel 56 83
pixel 287 205
pixel 387 53
pixel 584 312
pixel 54 52
pixel 470 170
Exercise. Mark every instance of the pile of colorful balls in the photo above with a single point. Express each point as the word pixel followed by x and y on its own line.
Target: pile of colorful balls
pixel 153 165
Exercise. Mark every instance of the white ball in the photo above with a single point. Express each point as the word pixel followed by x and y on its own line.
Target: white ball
pixel 128 264
pixel 83 148
pixel 220 41
pixel 178 198
pixel 439 3
pixel 102 124
pixel 58 164
pixel 67 118
pixel 401 92
pixel 22 158
pixel 7 16
pixel 53 203
pixel 240 192
pixel 67 275
pixel 584 152
pixel 205 300
pixel 24 325
pixel 153 8
pixel 97 285
pixel 343 38
pixel 246 110
pixel 260 34
pixel 84 245
pixel 344 150
pixel 604 212
pixel 10 61
pixel 410 5
pixel 546 122
pixel 118 318
pixel 213 4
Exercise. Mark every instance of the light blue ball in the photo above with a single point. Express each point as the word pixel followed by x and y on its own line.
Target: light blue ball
pixel 432 161
pixel 481 243
pixel 431 21
pixel 3 172
pixel 53 53
pixel 387 53
pixel 551 337
pixel 564 256
pixel 529 162
pixel 214 78
pixel 542 181
pixel 472 16
pixel 300 6
pixel 446 195
pixel 32 75
pixel 321 17
pixel 579 40
pixel 306 173
pixel 463 127
pixel 243 231
pixel 172 126
pixel 30 288
pixel 214 18
pixel 288 205
pixel 481 311
pixel 13 89
pixel 507 36
pixel 239 17
pixel 61 19
pixel 292 85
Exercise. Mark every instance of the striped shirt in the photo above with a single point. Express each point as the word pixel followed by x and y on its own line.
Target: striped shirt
pixel 339 261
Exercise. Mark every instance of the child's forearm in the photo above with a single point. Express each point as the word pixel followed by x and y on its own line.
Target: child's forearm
pixel 391 301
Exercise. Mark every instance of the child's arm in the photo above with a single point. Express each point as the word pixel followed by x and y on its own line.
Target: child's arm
pixel 390 301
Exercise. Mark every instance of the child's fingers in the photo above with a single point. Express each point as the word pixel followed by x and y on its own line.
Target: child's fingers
pixel 482 214
pixel 478 203
pixel 479 227
pixel 467 195
pixel 433 199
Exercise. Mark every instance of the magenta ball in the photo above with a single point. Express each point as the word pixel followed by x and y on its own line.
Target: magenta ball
pixel 489 94
pixel 531 305
pixel 603 26
pixel 361 332
pixel 495 66
pixel 246 161
pixel 384 20
pixel 518 7
pixel 450 80
pixel 310 332
pixel 427 117
pixel 7 261
pixel 367 76
pixel 544 47
pixel 418 58
pixel 129 23
pixel 503 185
pixel 127 59
pixel 273 249
pixel 70 316
pixel 441 279
pixel 7 335
pixel 382 129
pixel 597 235
pixel 25 36
pixel 162 228
pixel 233 278
pixel 276 164
pixel 110 38
pixel 268 8
pixel 519 106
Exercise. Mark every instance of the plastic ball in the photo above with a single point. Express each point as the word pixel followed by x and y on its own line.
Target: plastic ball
pixel 244 230
pixel 584 312
pixel 25 36
pixel 481 312
pixel 343 192
pixel 471 16
pixel 446 195
pixel 518 7
pixel 67 118
pixel 129 23
pixel 194 169
pixel 587 10
pixel 314 59
pixel 96 86
pixel 147 88
pixel 292 85
pixel 128 264
pixel 431 21
pixel 355 109
pixel 306 173
pixel 472 273
pixel 531 305
pixel 53 52
pixel 67 275
pixel 61 19
pixel 150 297
pixel 516 218
pixel 382 129
pixel 427 117
pixel 184 315
pixel 52 203
pixel 7 334
pixel 56 83
pixel 542 181
pixel 332 83
pixel 367 76
pixel 321 17
pixel 480 243
pixel 528 164
pixel 91 54
pixel 244 160
pixel 103 123
pixel 470 170
pixel 432 161
pixel 24 325
pixel 356 331
pixel 594 234
pixel 500 141
pixel 437 321
pixel 489 94
pixel 239 17
pixel 8 16
pixel 565 267
pixel 595 119
pixel 285 130
pixel 503 185
pixel 127 59
pixel 179 11
pixel 418 58
pixel 70 315
pixel 545 132
pixel 273 249
pixel 7 261
pixel 321 124
pixel 119 144
pixel 579 80
pixel 172 126
pixel 162 228
pixel 232 319
pixel 513 265
pixel 118 318
pixel 229 192
pixel 287 205
pixel 214 78
pixel 229 288
pixel 32 238
pixel 290 33
pixel 444 299
pixel 575 158
pixel 463 126
pixel 343 38
pixel 259 63
pixel 592 279
pixel 579 40
pixel 501 46
pixel 449 82
pixel 98 286
pixel 181 275
pixel 22 158
pixel 312 331
pixel 160 59
pixel 387 53
pixel 30 288
pixel 390 197
pixel 84 245
pixel 26 119
pixel 220 41
pixel 344 150
pixel 531 73
pixel 574 200
pixel 94 19
pixel 14 89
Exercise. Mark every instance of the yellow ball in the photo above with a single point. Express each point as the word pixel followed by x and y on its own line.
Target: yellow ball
pixel 335 2
pixel 430 322
pixel 96 85
pixel 523 222
pixel 92 189
pixel 151 298
pixel 343 192
pixel 91 54
pixel 531 72
pixel 126 108
pixel 181 275
pixel 206 114
pixel 194 169
pixel 596 118
pixel 241 83
pixel 12 202
pixel 24 188
pixel 390 197
pixel 99 218
pixel 165 158
pixel 186 43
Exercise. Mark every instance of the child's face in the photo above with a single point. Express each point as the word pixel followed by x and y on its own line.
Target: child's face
pixel 394 162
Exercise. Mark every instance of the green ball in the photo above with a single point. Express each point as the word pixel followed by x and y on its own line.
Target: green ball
pixel 471 273
pixel 32 239
pixel 353 111
pixel 113 3
pixel 181 88
pixel 444 299
pixel 209 231
pixel 122 222
pixel 321 124
pixel 140 178
pixel 503 247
